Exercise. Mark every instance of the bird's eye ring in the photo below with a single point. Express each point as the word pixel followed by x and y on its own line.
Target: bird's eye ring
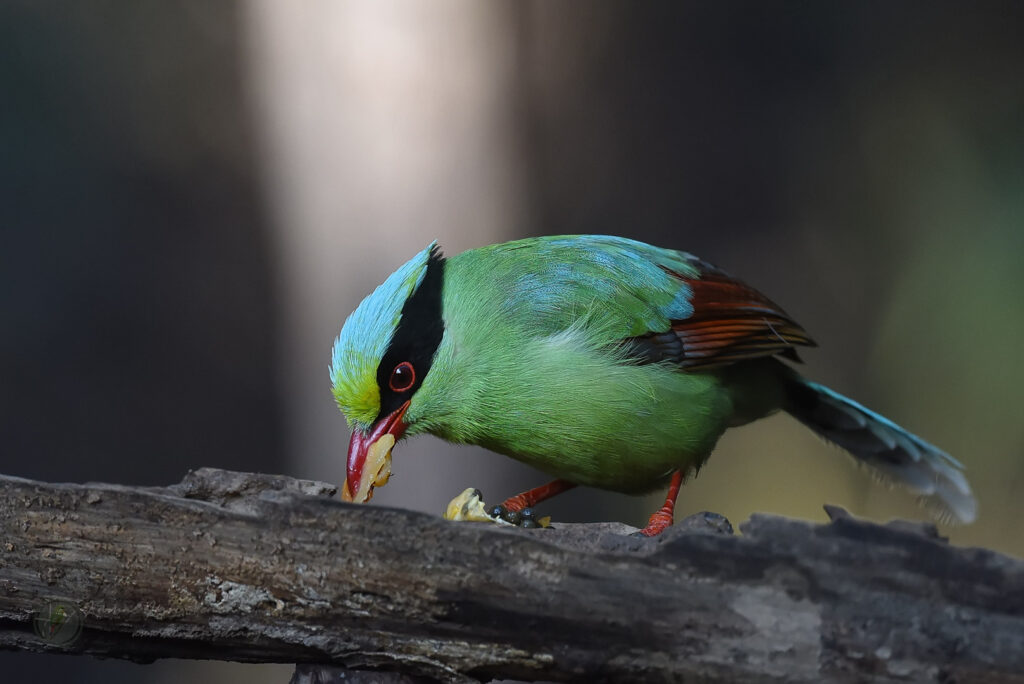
pixel 402 377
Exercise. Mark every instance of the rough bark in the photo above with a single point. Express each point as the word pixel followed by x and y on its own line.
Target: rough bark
pixel 258 568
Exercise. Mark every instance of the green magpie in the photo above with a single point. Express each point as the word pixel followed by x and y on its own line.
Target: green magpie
pixel 603 361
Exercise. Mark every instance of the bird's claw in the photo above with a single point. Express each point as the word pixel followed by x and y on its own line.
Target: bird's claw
pixel 470 506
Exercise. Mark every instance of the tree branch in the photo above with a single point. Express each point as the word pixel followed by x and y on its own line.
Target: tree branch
pixel 257 568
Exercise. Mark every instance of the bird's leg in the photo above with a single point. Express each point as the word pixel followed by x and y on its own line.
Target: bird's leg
pixel 662 518
pixel 538 494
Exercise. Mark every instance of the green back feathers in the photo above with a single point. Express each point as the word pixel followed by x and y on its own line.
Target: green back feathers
pixel 622 287
pixel 365 337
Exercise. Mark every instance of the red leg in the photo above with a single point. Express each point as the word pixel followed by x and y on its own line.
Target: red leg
pixel 662 518
pixel 538 494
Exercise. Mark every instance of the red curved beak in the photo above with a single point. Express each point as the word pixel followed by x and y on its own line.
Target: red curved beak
pixel 369 456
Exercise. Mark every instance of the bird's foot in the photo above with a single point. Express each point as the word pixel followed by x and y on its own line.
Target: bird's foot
pixel 659 522
pixel 661 519
pixel 470 506
pixel 524 517
pixel 516 503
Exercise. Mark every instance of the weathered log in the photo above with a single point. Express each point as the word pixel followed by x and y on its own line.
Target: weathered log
pixel 257 568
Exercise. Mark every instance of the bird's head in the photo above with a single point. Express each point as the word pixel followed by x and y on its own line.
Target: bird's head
pixel 380 360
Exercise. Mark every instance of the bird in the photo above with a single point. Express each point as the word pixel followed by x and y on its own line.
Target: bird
pixel 604 362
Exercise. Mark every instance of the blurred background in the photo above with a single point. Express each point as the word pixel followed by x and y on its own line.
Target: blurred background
pixel 194 195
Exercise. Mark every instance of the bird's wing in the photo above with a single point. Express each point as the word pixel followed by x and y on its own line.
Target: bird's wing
pixel 731 322
pixel 660 305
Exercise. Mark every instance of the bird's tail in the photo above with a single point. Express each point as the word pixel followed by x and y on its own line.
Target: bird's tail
pixel 895 454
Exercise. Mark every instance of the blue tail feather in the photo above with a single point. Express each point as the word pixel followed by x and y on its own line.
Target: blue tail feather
pixel 878 442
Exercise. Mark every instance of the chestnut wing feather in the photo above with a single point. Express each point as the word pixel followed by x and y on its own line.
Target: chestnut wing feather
pixel 731 322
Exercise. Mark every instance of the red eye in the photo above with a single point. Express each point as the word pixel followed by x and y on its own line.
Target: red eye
pixel 402 378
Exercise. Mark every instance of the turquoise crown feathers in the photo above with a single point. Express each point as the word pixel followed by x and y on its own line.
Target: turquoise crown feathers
pixel 365 336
